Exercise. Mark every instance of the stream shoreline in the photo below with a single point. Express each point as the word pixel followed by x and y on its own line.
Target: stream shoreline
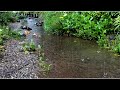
pixel 16 64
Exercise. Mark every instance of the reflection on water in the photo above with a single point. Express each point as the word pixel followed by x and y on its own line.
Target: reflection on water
pixel 75 58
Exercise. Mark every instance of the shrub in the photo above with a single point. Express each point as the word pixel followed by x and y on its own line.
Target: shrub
pixel 6 34
pixel 29 46
pixel 6 17
pixel 87 25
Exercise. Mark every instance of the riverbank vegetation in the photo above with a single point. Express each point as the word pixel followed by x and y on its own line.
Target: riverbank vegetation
pixel 91 25
pixel 98 26
pixel 103 27
pixel 6 33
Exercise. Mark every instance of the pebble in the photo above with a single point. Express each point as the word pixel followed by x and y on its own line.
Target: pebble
pixel 98 51
pixel 88 58
pixel 82 59
pixel 18 64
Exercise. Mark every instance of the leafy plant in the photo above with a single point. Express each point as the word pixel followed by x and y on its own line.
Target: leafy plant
pixel 6 34
pixel 45 66
pixel 117 24
pixel 6 17
pixel 29 46
pixel 42 61
pixel 52 21
pixel 92 25
pixel 88 25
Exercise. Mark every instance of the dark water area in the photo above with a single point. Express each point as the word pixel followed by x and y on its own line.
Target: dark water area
pixel 73 57
pixel 77 58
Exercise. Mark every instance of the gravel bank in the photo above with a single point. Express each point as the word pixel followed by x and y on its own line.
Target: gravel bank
pixel 16 64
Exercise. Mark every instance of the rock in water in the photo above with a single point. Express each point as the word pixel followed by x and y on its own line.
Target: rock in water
pixel 112 37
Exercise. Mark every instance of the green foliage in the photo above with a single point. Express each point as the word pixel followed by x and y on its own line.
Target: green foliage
pixel 1 41
pixel 44 65
pixel 117 24
pixel 14 34
pixel 88 25
pixel 52 21
pixel 3 35
pixel 42 61
pixel 20 17
pixel 103 41
pixel 29 46
pixel 6 17
pixel 6 33
pixel 116 44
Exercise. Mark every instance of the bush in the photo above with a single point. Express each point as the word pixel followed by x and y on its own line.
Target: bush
pixel 6 17
pixel 52 21
pixel 3 34
pixel 29 46
pixel 21 17
pixel 87 25
pixel 6 34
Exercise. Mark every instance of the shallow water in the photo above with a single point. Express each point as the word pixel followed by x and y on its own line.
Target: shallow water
pixel 75 58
